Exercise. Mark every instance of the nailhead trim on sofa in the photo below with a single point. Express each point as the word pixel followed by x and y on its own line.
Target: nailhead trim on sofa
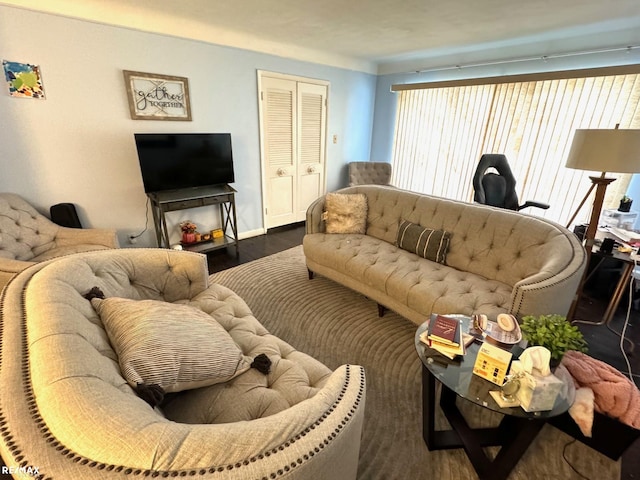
pixel 16 449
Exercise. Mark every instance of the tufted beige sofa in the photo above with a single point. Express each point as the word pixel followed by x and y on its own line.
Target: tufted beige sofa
pixel 498 260
pixel 66 410
pixel 28 237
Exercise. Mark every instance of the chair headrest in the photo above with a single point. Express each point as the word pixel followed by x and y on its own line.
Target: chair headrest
pixel 501 194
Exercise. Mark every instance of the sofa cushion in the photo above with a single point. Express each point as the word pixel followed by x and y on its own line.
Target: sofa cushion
pixel 176 347
pixel 426 242
pixel 346 213
pixel 422 285
pixel 294 376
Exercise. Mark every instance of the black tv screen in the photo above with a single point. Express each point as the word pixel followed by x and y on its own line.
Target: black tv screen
pixel 184 160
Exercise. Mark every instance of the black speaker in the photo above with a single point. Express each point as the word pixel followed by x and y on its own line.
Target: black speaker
pixel 65 215
pixel 607 246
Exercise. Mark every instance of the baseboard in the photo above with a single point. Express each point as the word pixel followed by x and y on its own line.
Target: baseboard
pixel 289 226
pixel 264 231
pixel 252 233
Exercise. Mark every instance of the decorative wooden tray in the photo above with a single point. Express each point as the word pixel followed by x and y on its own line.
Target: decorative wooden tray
pixel 492 330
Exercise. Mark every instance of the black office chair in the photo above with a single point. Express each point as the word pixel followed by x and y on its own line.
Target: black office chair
pixel 498 189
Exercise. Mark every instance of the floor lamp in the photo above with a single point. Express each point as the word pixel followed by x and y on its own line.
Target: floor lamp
pixel 601 151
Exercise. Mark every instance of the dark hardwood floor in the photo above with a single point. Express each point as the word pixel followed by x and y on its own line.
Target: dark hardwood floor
pixel 274 241
pixel 604 343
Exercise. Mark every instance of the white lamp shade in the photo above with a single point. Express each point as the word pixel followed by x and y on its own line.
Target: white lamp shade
pixel 616 151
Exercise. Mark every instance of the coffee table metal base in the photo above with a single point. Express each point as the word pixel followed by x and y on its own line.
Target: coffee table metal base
pixel 513 434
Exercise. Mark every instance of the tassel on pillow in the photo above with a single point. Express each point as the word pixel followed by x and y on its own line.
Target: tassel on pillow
pixel 152 394
pixel 262 363
pixel 95 292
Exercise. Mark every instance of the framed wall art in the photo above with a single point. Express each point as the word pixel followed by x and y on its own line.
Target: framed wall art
pixel 23 79
pixel 157 97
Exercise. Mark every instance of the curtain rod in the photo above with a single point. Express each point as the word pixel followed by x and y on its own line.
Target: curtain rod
pixel 521 77
pixel 544 58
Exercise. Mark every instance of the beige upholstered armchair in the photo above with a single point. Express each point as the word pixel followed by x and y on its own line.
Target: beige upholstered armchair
pixel 68 409
pixel 368 173
pixel 28 237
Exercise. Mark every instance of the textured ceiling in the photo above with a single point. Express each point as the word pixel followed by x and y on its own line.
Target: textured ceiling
pixel 376 29
pixel 371 32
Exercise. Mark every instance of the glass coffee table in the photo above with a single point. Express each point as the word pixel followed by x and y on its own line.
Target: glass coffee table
pixel 515 432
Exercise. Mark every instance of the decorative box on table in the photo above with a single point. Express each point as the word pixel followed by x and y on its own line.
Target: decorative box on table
pixel 537 393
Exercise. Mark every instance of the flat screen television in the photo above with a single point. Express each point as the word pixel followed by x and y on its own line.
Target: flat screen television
pixel 171 161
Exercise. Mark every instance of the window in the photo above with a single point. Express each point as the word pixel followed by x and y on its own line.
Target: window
pixel 442 130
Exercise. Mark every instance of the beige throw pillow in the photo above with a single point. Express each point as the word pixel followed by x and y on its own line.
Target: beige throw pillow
pixel 346 213
pixel 172 346
pixel 430 244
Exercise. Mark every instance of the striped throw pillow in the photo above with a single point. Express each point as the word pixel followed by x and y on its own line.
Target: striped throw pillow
pixel 430 244
pixel 172 346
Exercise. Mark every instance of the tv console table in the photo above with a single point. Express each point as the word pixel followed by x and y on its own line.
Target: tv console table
pixel 171 200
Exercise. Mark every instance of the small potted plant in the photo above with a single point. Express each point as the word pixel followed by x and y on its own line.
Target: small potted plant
pixel 188 229
pixel 625 204
pixel 555 333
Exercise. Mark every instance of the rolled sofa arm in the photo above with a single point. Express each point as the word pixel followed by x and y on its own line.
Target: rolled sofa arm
pixel 316 438
pixel 91 236
pixel 553 288
pixel 12 266
pixel 9 268
pixel 545 293
pixel 314 223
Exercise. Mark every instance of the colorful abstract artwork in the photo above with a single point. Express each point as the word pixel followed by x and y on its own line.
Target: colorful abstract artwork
pixel 23 79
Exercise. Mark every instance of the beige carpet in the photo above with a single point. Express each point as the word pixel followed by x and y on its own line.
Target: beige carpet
pixel 336 326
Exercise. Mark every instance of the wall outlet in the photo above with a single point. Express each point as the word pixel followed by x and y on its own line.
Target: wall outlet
pixel 133 238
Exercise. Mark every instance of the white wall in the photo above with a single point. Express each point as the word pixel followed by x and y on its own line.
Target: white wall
pixel 77 145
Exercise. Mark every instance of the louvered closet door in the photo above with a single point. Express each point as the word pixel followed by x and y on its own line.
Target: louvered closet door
pixel 293 135
pixel 312 101
pixel 279 121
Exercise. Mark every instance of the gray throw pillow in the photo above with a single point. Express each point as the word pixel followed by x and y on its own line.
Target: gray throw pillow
pixel 430 244
pixel 175 347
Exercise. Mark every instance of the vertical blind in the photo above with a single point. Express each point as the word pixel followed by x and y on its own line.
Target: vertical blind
pixel 441 133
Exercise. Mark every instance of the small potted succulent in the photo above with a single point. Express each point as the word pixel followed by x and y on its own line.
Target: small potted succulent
pixel 625 204
pixel 555 333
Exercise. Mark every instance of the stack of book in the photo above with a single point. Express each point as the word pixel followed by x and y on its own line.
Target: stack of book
pixel 444 334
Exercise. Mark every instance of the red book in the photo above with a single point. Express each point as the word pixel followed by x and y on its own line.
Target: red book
pixel 444 329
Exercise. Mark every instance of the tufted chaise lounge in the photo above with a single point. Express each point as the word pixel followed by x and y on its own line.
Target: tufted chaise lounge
pixel 67 411
pixel 498 261
pixel 28 237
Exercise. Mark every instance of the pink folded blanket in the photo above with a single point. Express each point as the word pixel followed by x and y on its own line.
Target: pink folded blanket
pixel 614 394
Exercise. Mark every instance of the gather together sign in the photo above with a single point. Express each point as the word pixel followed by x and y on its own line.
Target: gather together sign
pixel 157 97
